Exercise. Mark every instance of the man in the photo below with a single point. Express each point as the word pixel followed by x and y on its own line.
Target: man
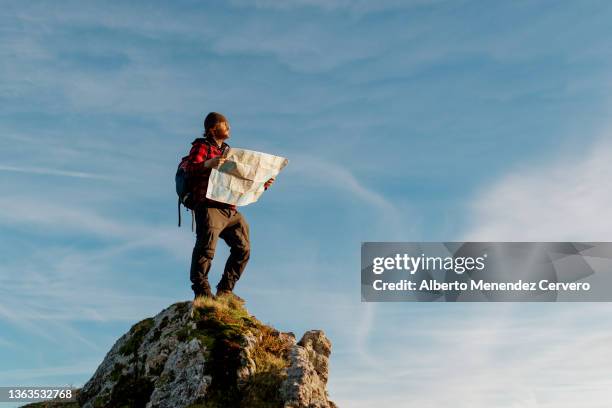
pixel 214 219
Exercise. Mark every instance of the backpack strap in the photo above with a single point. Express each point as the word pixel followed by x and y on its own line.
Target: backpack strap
pixel 179 211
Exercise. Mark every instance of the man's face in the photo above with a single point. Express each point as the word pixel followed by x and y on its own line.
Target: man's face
pixel 222 130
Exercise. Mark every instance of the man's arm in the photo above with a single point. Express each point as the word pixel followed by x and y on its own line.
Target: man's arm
pixel 198 162
pixel 197 158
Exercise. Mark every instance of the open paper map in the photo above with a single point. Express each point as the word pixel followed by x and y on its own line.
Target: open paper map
pixel 240 180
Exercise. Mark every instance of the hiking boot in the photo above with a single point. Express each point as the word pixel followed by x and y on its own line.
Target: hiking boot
pixel 230 294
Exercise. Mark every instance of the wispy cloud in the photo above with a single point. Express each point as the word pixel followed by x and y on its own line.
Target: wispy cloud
pixel 502 355
pixel 6 343
pixel 339 177
pixel 358 7
pixel 45 288
pixel 53 172
pixel 385 217
pixel 563 199
pixel 26 375
pixel 61 217
pixel 516 355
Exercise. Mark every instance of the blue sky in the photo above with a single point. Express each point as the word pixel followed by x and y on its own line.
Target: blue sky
pixel 402 121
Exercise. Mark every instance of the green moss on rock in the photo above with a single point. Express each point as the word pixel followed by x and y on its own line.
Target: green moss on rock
pixel 131 391
pixel 117 371
pixel 137 334
pixel 182 308
pixel 101 401
pixel 221 325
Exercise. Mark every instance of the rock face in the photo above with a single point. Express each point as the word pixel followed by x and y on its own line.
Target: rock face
pixel 305 385
pixel 210 354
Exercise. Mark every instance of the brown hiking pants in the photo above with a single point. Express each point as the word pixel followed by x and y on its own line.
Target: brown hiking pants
pixel 212 223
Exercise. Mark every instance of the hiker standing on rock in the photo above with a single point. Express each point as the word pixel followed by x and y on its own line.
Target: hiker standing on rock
pixel 214 219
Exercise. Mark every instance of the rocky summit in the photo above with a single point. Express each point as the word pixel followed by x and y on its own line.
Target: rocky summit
pixel 209 354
